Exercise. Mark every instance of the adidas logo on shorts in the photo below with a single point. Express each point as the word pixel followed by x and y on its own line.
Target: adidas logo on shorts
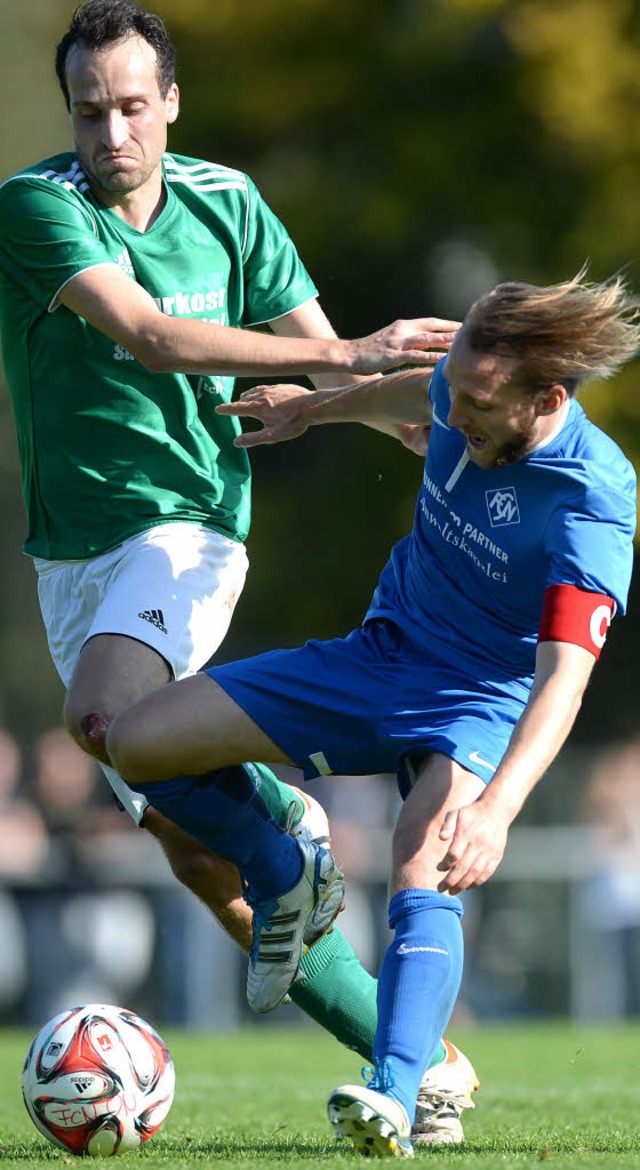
pixel 155 616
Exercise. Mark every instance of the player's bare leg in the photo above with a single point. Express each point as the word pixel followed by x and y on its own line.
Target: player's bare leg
pixel 187 728
pixel 213 880
pixel 194 729
pixel 112 672
pixel 442 785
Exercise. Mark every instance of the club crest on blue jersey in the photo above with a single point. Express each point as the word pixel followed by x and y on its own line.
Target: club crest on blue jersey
pixel 502 506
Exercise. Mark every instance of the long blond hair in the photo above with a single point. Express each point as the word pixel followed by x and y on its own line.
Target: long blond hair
pixel 568 333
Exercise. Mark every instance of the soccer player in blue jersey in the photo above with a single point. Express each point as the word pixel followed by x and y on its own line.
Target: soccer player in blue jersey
pixel 128 275
pixel 468 671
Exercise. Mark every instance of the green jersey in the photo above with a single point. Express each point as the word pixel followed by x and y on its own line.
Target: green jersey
pixel 109 449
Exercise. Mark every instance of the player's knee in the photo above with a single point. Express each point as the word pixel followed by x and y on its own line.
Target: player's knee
pixel 129 752
pixel 87 728
pixel 416 845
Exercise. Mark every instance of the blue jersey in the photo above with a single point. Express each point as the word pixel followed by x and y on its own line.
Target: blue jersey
pixel 468 582
pixel 446 657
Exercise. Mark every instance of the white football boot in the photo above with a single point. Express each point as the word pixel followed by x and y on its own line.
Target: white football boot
pixel 375 1124
pixel 283 926
pixel 312 825
pixel 307 819
pixel 445 1090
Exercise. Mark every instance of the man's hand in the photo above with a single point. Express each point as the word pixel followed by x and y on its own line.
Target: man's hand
pixel 279 408
pixel 420 342
pixel 478 837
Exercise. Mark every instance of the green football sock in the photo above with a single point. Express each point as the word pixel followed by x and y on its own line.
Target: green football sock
pixel 277 795
pixel 340 995
pixel 336 990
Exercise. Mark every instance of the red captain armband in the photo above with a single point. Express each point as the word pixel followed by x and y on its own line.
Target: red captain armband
pixel 573 615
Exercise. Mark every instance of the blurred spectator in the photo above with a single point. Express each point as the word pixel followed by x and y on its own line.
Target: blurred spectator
pixel 23 852
pixel 98 934
pixel 362 812
pixel 24 841
pixel 89 910
pixel 609 904
pixel 64 779
pixel 86 826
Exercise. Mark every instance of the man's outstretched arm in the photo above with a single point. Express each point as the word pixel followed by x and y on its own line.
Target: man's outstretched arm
pixel 382 401
pixel 117 306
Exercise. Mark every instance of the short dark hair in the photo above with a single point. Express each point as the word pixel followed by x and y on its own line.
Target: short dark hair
pixel 104 22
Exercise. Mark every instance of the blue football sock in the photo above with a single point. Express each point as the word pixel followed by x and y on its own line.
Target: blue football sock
pixel 417 988
pixel 224 811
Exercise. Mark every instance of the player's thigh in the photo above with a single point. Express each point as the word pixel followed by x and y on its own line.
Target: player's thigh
pixel 113 671
pixel 441 785
pixel 186 728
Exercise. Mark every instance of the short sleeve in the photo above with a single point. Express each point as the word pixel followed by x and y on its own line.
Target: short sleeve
pixel 276 281
pixel 48 236
pixel 590 540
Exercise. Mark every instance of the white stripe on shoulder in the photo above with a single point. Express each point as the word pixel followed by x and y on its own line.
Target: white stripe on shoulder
pixel 74 177
pixel 204 176
pixel 206 186
pixel 172 164
pixel 438 421
pixel 73 180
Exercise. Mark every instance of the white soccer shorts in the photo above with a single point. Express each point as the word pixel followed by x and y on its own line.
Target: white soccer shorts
pixel 173 587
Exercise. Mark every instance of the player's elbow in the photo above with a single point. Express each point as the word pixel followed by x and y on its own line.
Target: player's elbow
pixel 153 343
pixel 152 361
pixel 155 355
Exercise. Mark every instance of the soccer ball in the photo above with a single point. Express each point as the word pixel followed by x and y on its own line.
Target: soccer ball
pixel 97 1080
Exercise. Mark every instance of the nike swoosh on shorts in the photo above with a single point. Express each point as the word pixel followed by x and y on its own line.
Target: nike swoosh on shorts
pixel 476 759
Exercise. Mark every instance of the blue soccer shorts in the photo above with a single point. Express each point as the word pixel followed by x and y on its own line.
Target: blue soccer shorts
pixel 371 702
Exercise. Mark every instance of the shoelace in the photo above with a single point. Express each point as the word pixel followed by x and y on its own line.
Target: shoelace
pixel 380 1078
pixel 435 1101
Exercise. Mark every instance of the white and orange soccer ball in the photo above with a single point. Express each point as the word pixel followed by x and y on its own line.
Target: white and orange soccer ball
pixel 98 1080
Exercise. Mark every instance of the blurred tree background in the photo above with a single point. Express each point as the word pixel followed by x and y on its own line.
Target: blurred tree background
pixel 418 151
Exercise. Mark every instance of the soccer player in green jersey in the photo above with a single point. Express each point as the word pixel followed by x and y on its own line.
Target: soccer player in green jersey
pixel 127 277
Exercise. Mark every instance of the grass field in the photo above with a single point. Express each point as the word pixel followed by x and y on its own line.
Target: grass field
pixel 551 1094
